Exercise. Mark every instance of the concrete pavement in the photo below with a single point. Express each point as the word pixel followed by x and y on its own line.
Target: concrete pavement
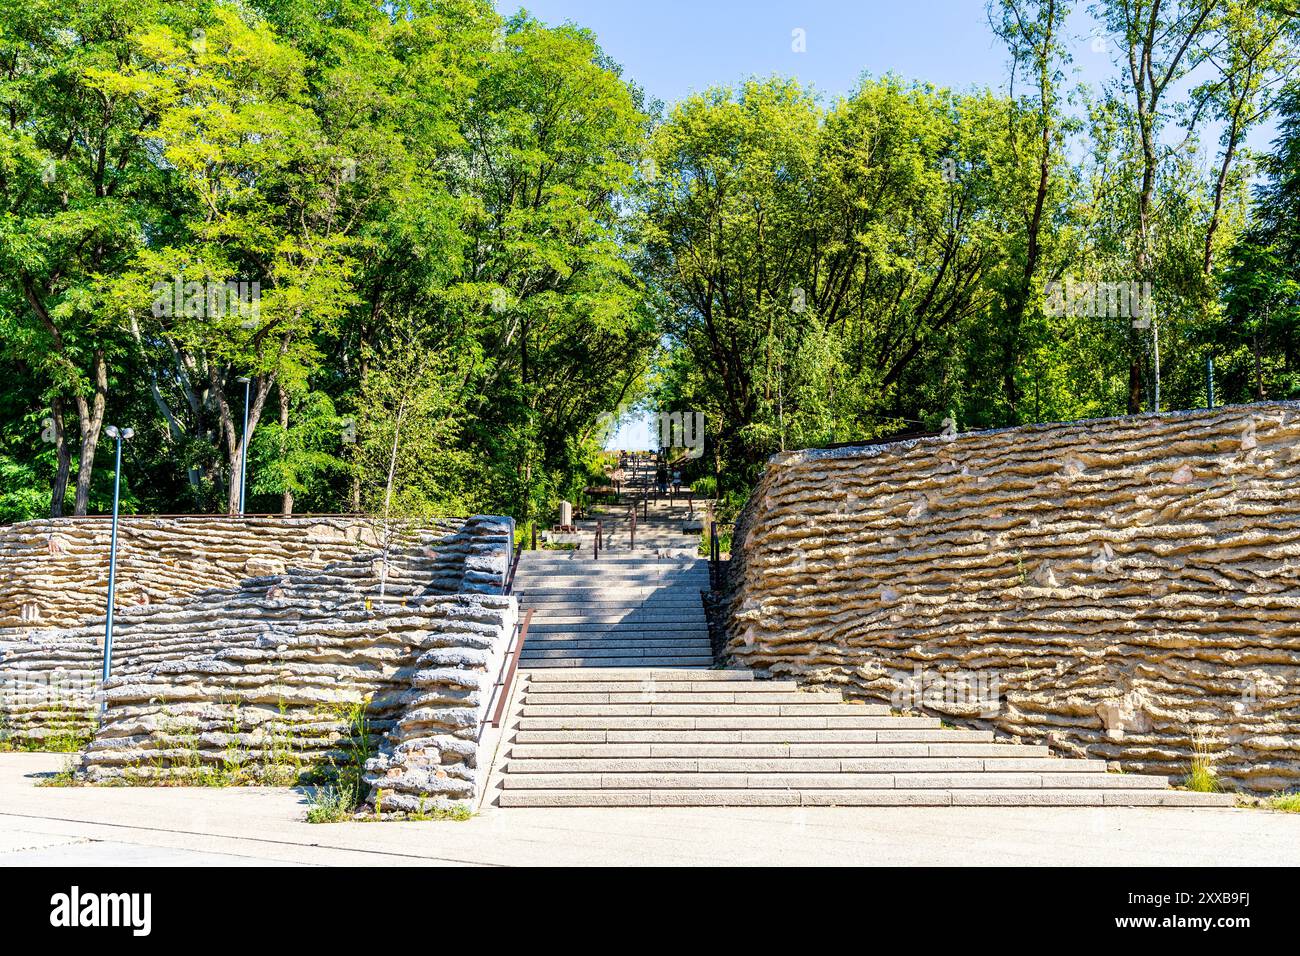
pixel 121 826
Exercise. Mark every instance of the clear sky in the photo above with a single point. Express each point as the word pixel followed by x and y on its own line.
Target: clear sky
pixel 676 47
pixel 673 48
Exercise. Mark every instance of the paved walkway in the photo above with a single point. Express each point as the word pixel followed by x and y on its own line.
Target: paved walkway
pixel 125 826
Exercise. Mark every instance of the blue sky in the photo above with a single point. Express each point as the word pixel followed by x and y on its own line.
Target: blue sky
pixel 673 48
pixel 676 47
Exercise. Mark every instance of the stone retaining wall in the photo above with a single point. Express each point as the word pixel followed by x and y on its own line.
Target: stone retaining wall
pixel 54 571
pixel 286 672
pixel 1122 588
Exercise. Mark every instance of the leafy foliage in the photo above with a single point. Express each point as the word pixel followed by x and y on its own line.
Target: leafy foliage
pixel 465 239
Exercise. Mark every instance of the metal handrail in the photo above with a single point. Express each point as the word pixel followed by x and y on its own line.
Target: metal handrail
pixel 502 687
pixel 514 566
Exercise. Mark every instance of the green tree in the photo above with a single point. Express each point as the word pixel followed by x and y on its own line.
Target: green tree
pixel 1035 34
pixel 74 181
pixel 809 262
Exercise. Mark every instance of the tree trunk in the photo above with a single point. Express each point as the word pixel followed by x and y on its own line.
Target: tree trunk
pixel 90 416
pixel 286 497
pixel 1135 386
pixel 232 434
pixel 59 490
pixel 363 370
pixel 1259 368
pixel 1019 302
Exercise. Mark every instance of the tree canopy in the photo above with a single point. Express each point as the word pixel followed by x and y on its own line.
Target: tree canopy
pixel 436 247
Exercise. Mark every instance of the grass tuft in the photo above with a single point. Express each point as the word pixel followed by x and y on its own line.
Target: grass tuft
pixel 1202 777
pixel 1286 802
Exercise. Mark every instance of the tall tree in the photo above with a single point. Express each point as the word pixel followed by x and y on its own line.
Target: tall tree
pixel 74 180
pixel 808 260
pixel 1035 34
pixel 272 205
pixel 1259 343
pixel 1160 42
pixel 1254 58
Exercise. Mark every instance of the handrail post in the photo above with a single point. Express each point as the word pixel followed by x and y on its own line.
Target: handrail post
pixel 713 555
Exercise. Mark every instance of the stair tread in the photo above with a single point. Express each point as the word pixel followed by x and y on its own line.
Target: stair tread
pixel 556 751
pixel 720 780
pixel 801 765
pixel 935 797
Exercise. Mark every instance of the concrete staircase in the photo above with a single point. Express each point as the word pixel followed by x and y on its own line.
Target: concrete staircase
pixel 617 705
pixel 625 737
pixel 618 611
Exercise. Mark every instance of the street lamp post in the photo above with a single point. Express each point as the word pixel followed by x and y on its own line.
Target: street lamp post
pixel 119 435
pixel 243 446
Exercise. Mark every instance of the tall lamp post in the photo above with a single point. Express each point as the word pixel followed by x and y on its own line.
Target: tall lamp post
pixel 243 446
pixel 118 434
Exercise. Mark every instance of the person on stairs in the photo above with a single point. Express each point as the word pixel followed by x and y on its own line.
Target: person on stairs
pixel 661 476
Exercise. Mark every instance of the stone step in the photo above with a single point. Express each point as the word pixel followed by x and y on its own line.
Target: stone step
pixel 555 751
pixel 629 638
pixel 667 602
pixel 762 735
pixel 831 781
pixel 618 610
pixel 589 583
pixel 613 644
pixel 531 559
pixel 751 689
pixel 611 572
pixel 650 613
pixel 1037 797
pixel 585 592
pixel 669 697
pixel 594 650
pixel 635 675
pixel 599 650
pixel 658 629
pixel 549 618
pixel 803 765
pixel 595 663
pixel 835 711
pixel 550 621
pixel 736 721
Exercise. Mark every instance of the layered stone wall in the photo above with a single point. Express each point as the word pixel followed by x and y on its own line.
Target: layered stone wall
pixel 287 676
pixel 53 572
pixel 1122 588
pixel 287 672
